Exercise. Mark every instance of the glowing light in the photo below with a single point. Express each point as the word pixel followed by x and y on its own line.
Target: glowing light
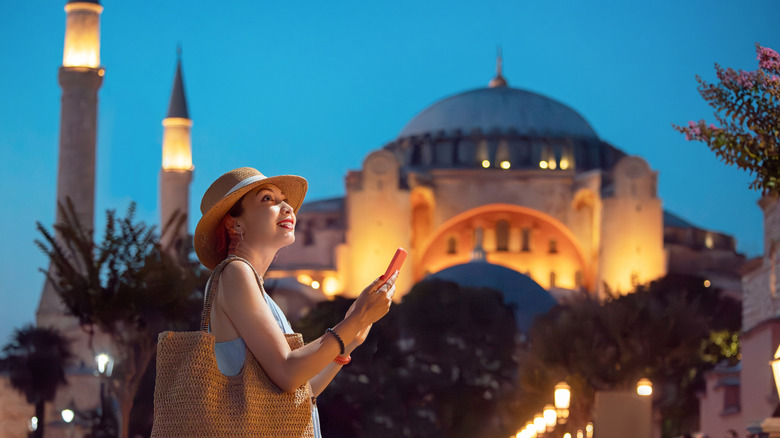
pixel 539 423
pixel 644 387
pixel 177 150
pixel 67 415
pixel 776 369
pixel 580 434
pixel 530 429
pixel 552 164
pixel 103 361
pixel 589 430
pixel 567 435
pixel 33 424
pixel 82 35
pixel 315 284
pixel 505 164
pixel 707 283
pixel 330 286
pixel 709 241
pixel 485 164
pixel 550 417
pixel 564 164
pixel 543 164
pixel 305 279
pixel 562 395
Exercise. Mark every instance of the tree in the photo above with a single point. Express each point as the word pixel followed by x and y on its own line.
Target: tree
pixel 126 286
pixel 671 331
pixel 35 361
pixel 747 111
pixel 441 363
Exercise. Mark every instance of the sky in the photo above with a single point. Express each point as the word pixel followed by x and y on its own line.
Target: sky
pixel 310 88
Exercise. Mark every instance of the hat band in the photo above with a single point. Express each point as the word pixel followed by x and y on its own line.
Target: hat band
pixel 245 183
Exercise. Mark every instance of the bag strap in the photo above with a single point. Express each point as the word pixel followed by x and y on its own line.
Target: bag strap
pixel 213 285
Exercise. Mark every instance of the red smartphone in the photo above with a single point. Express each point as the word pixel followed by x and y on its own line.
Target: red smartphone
pixel 395 264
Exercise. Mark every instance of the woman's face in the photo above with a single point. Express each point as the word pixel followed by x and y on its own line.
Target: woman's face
pixel 267 220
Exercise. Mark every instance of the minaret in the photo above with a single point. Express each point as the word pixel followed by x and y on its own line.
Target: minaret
pixel 80 77
pixel 176 172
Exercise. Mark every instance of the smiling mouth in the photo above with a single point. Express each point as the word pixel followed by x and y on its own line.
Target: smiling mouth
pixel 288 224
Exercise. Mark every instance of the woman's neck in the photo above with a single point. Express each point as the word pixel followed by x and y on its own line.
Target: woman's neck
pixel 260 260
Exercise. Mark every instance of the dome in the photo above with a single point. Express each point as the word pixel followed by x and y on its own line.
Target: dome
pixel 520 292
pixel 502 109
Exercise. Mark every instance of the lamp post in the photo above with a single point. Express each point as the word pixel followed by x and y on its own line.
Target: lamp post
pixel 67 416
pixel 105 366
pixel 644 387
pixel 771 425
pixel 562 401
pixel 550 417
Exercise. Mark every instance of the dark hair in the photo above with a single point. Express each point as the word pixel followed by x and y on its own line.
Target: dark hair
pixel 223 236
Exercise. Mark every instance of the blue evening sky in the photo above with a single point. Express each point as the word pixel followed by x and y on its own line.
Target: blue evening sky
pixel 312 87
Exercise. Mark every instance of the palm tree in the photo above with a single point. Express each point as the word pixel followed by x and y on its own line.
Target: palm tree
pixel 35 361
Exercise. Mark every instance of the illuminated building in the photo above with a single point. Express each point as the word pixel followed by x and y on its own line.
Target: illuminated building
pixel 556 203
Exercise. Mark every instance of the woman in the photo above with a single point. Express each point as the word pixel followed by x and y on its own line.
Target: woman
pixel 248 215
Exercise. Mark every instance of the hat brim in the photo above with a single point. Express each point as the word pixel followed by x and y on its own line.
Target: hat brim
pixel 205 238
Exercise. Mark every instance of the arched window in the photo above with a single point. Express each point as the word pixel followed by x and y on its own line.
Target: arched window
pixel 452 246
pixel 526 240
pixel 553 246
pixel 502 235
pixel 552 279
pixel 578 279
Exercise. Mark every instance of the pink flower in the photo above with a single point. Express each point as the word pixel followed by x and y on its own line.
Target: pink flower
pixel 768 59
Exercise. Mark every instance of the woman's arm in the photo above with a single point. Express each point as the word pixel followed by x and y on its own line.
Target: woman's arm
pixel 243 303
pixel 323 379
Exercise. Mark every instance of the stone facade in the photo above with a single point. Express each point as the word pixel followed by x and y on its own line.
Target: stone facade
pixel 742 397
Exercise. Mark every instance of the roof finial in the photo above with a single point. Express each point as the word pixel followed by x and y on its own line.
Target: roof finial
pixel 499 80
pixel 178 51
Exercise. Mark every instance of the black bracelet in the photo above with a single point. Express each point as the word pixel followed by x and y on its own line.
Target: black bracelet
pixel 338 338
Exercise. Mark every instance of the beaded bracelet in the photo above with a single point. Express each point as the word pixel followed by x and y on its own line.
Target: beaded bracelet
pixel 338 338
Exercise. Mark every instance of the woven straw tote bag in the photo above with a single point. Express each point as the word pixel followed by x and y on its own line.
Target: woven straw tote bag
pixel 193 399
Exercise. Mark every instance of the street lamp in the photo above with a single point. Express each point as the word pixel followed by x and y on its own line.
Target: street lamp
pixel 550 417
pixel 562 400
pixel 540 424
pixel 67 415
pixel 644 387
pixel 776 369
pixel 105 364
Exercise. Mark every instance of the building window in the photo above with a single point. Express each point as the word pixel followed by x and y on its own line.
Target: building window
pixel 553 246
pixel 502 235
pixel 452 246
pixel 525 240
pixel 308 237
pixel 552 279
pixel 578 279
pixel 731 402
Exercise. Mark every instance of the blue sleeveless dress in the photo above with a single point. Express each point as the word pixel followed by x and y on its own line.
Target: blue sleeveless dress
pixel 231 354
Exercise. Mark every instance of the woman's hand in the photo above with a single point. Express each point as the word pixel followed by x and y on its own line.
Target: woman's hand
pixel 372 304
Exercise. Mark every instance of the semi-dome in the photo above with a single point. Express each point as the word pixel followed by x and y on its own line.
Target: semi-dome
pixel 499 109
pixel 524 295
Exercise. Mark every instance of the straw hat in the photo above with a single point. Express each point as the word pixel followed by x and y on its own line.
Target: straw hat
pixel 224 193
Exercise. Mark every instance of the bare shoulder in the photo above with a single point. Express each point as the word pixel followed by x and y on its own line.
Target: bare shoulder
pixel 238 278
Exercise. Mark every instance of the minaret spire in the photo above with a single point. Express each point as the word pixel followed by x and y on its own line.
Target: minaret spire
pixel 499 80
pixel 178 104
pixel 176 172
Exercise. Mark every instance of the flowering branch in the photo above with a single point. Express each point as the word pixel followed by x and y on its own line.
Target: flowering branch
pixel 747 112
